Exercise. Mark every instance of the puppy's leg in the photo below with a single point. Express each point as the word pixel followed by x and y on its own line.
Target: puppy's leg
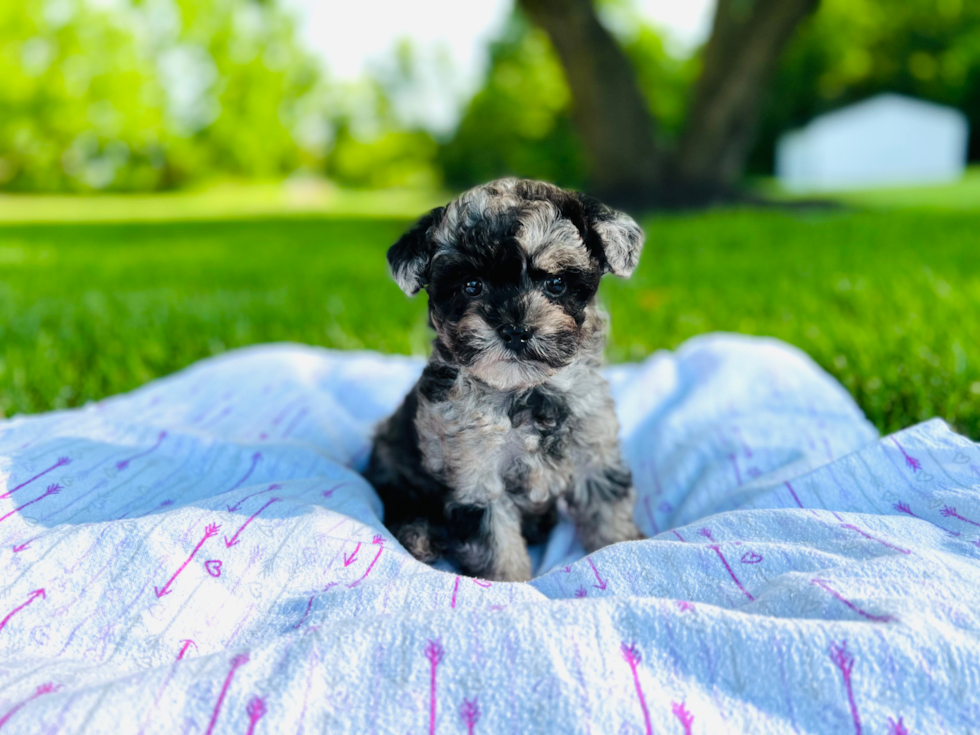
pixel 602 504
pixel 416 537
pixel 494 548
pixel 511 562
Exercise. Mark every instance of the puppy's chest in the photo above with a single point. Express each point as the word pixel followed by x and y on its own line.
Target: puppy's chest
pixel 518 442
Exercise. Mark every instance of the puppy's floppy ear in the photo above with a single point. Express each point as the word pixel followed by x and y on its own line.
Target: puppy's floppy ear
pixel 619 237
pixel 409 258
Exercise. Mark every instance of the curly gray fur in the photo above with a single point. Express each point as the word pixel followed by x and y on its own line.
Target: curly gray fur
pixel 511 420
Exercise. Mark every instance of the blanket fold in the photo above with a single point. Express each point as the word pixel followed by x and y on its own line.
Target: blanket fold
pixel 201 555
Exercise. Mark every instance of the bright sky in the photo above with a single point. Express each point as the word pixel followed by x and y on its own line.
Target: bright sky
pixel 350 34
pixel 353 36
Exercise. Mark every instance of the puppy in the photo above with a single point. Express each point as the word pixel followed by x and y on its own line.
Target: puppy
pixel 511 416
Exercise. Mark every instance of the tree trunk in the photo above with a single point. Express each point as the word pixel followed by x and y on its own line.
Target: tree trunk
pixel 741 56
pixel 626 165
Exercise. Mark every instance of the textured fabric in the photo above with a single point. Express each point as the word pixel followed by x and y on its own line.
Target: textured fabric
pixel 198 557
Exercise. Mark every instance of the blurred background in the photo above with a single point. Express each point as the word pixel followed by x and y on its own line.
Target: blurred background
pixel 183 177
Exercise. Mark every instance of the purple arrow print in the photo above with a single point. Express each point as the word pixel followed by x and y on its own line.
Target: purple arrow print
pixel 897 727
pixel 728 568
pixel 911 462
pixel 234 540
pixel 950 512
pixel 256 458
pixel 867 535
pixel 52 490
pixel 209 531
pixel 633 657
pixel 907 510
pixel 863 613
pixel 236 506
pixel 123 464
pixel 598 577
pixel 844 661
pixel 62 461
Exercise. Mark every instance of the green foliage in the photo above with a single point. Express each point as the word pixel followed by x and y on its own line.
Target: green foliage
pixel 665 79
pixel 89 310
pixel 136 95
pixel 520 122
pixel 853 49
pixel 253 95
pixel 148 96
pixel 395 158
pixel 79 104
pixel 372 146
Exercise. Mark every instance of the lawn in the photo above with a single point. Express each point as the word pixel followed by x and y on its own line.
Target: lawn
pixel 886 297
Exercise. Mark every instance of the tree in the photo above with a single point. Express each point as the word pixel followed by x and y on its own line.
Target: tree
pixel 137 96
pixel 629 161
pixel 519 123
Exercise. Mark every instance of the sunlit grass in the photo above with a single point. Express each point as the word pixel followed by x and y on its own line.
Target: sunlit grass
pixel 960 195
pixel 887 301
pixel 218 200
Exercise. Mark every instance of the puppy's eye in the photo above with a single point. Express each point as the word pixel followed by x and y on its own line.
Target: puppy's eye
pixel 473 287
pixel 555 285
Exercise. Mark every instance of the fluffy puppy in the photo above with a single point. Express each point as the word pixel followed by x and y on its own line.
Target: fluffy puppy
pixel 511 416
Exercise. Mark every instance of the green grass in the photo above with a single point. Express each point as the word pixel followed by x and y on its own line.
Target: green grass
pixel 886 300
pixel 962 195
pixel 219 200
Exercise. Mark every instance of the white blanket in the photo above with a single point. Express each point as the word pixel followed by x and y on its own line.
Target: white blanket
pixel 198 557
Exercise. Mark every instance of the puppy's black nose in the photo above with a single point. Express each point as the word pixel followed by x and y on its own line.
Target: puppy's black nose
pixel 515 336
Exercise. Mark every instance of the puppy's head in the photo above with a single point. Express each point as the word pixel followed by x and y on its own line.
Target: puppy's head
pixel 511 269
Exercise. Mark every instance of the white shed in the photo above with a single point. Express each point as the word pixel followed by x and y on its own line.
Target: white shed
pixel 886 140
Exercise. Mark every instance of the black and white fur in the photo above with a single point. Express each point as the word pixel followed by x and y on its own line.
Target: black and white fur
pixel 510 415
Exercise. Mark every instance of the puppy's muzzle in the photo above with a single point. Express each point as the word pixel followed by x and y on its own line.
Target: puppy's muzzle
pixel 515 337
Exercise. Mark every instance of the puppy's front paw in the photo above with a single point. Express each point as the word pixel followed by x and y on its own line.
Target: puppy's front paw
pixel 612 533
pixel 628 531
pixel 609 523
pixel 416 539
pixel 499 559
pixel 513 567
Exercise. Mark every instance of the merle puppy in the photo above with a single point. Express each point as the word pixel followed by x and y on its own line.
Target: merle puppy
pixel 511 415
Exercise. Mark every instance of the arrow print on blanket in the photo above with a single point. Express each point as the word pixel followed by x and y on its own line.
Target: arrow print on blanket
pixel 30 598
pixel 256 458
pixel 379 542
pixel 63 461
pixel 209 531
pixel 599 579
pixel 348 560
pixel 42 689
pixel 187 644
pixel 25 546
pixel 52 490
pixel 236 506
pixel 234 539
